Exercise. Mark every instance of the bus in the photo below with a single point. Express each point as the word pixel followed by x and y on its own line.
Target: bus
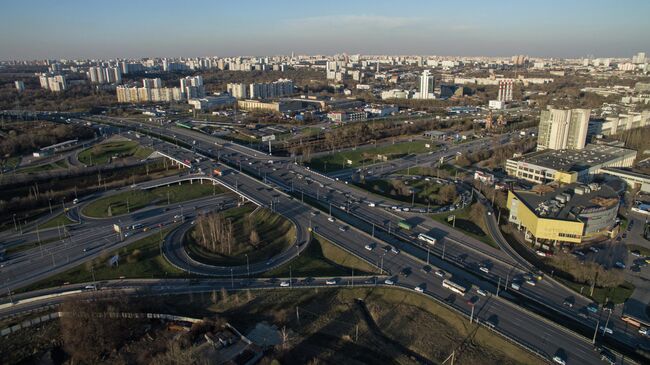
pixel 405 225
pixel 456 288
pixel 426 238
pixel 137 226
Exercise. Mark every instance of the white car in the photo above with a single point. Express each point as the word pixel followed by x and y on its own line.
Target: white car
pixel 330 282
pixel 559 360
pixel 284 284
pixel 481 292
pixel 485 269
pixel 515 286
pixel 643 331
pixel 389 282
pixel 531 282
pixel 331 219
pixel 371 204
pixel 440 273
pixel 606 330
pixel 419 289
pixel 369 247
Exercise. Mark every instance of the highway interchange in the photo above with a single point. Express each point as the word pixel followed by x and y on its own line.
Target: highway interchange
pixel 308 199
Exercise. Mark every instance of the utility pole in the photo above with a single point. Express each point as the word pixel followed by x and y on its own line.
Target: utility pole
pixel 471 316
pixel 498 286
pixel 593 340
pixel 607 322
pixel 428 252
pixel 232 280
pixel 248 269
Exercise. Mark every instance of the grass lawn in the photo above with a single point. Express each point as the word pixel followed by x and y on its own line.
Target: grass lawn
pixel 338 161
pixel 138 199
pixel 323 258
pixel 465 224
pixel 103 153
pixel 61 164
pixel 615 295
pixel 393 326
pixel 428 171
pixel 140 259
pixel 276 233
pixel 425 191
pixel 59 220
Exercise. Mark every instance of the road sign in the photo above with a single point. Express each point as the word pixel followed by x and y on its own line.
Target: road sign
pixel 349 162
pixel 268 138
pixel 451 218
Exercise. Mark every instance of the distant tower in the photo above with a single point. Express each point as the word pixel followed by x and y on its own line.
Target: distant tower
pixel 505 90
pixel 426 85
pixel 377 71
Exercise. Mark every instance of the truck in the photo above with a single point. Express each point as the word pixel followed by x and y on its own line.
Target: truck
pixel 217 172
pixel 405 225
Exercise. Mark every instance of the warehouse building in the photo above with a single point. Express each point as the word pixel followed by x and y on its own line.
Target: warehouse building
pixel 552 214
pixel 568 166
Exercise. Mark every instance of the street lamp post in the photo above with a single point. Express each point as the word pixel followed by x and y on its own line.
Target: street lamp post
pixel 248 268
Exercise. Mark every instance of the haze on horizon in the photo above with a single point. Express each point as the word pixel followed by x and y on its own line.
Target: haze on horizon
pixel 38 29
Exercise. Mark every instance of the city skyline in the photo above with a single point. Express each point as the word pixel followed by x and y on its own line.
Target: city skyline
pixel 39 29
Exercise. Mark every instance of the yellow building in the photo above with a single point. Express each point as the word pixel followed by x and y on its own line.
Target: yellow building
pixel 567 214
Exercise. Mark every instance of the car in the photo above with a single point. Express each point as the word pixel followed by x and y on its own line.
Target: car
pixel 540 253
pixel 330 281
pixel 593 249
pixel 178 216
pixel 636 253
pixel 624 235
pixel 644 331
pixel 606 330
pixel 371 204
pixel 419 289
pixel 343 228
pixel 331 219
pixel 578 253
pixel 473 300
pixel 485 269
pixel 558 360
pixel 440 273
pixel 482 292
pixel 313 213
pixel 369 246
pixel 568 303
pixel 619 264
pixel 531 282
pixel 426 269
pixel 608 357
pixel 90 287
pixel 284 284
pixel 389 281
pixel 394 250
pixel 406 272
pixel 515 286
pixel 592 307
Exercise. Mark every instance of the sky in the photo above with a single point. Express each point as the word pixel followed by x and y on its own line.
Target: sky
pixel 38 29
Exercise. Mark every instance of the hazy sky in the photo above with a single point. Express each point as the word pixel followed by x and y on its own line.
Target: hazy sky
pixel 33 29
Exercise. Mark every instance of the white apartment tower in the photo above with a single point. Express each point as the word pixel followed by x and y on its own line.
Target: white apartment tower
pixel 427 83
pixel 563 129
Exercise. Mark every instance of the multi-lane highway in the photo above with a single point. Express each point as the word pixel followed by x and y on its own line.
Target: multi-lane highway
pixel 271 169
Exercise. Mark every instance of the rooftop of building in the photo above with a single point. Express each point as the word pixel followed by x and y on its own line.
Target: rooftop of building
pixel 566 202
pixel 628 172
pixel 575 160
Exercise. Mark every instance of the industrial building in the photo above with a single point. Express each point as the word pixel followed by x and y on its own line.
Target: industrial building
pixel 568 166
pixel 551 214
pixel 633 179
pixel 275 106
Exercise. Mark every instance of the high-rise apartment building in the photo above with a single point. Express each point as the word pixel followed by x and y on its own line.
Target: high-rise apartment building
pixel 239 91
pixel 53 82
pixel 563 129
pixel 192 87
pixel 276 89
pixel 152 83
pixel 427 83
pixel 505 90
pixel 639 58
pixel 105 75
